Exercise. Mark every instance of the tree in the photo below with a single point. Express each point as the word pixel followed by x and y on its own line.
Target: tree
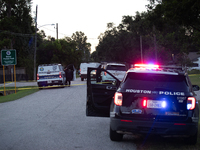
pixel 184 16
pixel 82 45
pixel 16 31
pixel 122 43
pixel 63 51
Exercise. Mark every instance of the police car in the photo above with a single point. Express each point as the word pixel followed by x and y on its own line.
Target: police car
pixel 50 74
pixel 151 99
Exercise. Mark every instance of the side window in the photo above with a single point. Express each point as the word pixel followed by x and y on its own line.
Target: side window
pixel 189 83
pixel 101 77
pixel 60 68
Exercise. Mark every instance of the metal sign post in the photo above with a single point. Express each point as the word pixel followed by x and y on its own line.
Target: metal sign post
pixel 4 81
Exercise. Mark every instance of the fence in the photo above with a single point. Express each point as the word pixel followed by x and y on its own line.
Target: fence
pixel 9 74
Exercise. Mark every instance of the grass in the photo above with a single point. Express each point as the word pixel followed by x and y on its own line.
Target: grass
pixel 195 79
pixel 21 92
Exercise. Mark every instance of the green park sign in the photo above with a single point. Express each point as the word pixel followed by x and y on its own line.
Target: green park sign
pixel 8 57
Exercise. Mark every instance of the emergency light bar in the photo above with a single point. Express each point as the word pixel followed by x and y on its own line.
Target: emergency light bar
pixel 146 66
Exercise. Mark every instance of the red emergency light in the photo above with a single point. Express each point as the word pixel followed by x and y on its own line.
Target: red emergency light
pixel 146 66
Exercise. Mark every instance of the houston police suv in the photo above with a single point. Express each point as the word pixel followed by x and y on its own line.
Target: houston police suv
pixel 150 99
pixel 50 74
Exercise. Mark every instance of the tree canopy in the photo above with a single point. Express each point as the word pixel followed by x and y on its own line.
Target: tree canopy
pixel 169 27
pixel 69 50
pixel 17 31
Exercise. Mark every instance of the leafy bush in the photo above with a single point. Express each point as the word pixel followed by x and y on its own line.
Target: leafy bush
pixel 194 71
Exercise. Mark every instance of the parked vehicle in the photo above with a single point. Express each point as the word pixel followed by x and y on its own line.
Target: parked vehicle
pixel 84 67
pixel 117 69
pixel 151 99
pixel 50 74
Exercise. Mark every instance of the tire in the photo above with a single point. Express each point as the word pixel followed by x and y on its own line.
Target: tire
pixel 82 79
pixel 192 140
pixel 39 86
pixel 114 136
pixel 62 84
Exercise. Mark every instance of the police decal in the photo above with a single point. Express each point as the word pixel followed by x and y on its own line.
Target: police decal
pixel 154 92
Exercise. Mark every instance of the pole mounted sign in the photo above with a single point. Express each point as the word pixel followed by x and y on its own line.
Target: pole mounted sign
pixel 8 57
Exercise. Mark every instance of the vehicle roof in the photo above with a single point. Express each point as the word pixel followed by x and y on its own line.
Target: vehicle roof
pixel 170 70
pixel 115 64
pixel 49 64
pixel 152 71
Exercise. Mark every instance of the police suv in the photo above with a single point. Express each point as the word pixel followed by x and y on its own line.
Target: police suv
pixel 50 74
pixel 150 99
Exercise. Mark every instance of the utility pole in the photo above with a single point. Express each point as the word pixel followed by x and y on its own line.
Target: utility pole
pixel 141 49
pixel 34 75
pixel 155 46
pixel 57 30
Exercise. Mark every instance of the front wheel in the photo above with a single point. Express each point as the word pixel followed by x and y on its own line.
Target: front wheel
pixel 114 136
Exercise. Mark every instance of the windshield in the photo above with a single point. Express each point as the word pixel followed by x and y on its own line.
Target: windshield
pixel 155 82
pixel 116 67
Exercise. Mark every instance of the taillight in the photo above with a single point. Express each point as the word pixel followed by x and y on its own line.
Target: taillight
pixel 105 73
pixel 118 99
pixel 191 101
pixel 60 75
pixel 144 103
pixel 38 77
pixel 126 120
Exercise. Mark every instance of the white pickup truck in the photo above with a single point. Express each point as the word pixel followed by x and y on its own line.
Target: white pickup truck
pixel 118 70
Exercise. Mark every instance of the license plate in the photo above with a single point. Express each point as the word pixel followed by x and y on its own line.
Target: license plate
pixel 49 81
pixel 154 104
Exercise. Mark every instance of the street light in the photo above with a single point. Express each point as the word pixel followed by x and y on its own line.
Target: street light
pixel 46 25
pixel 34 75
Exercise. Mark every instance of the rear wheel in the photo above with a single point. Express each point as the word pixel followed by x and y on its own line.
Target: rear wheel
pixel 62 84
pixel 82 79
pixel 39 86
pixel 192 140
pixel 114 136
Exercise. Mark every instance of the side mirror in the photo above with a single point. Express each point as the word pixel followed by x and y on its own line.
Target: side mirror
pixel 195 87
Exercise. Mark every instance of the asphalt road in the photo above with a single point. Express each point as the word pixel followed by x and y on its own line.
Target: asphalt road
pixel 54 119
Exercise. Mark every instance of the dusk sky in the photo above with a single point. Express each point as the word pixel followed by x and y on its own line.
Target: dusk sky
pixel 88 16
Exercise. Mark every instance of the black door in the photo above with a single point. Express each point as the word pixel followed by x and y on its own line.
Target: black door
pixel 100 92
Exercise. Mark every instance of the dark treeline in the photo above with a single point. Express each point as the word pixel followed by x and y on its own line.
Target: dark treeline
pixel 167 27
pixel 17 31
